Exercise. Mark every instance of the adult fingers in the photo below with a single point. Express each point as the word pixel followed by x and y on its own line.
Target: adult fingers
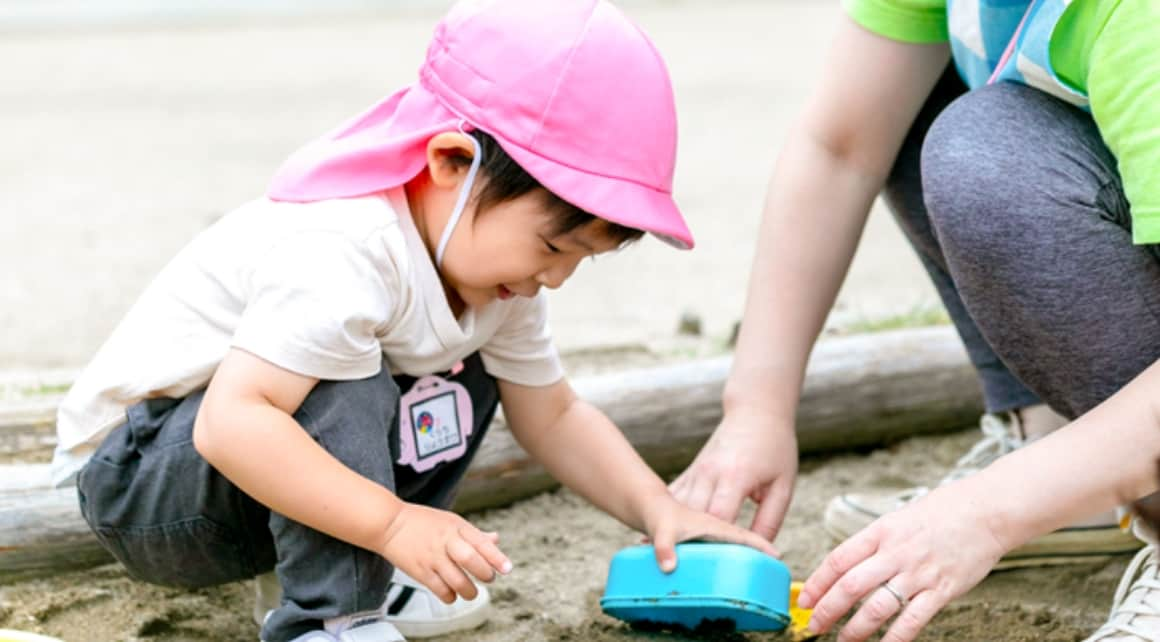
pixel 679 487
pixel 470 560
pixel 455 578
pixel 914 617
pixel 846 556
pixel 856 584
pixel 771 510
pixel 700 492
pixel 725 502
pixel 485 544
pixel 879 606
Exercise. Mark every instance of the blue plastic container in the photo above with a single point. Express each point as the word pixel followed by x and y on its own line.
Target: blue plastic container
pixel 714 585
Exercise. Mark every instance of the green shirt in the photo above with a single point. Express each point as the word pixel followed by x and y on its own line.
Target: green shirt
pixel 1108 50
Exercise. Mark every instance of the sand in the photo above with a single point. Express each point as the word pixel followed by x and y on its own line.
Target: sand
pixel 561 547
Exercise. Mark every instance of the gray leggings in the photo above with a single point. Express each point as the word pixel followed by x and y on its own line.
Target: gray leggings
pixel 166 514
pixel 1016 210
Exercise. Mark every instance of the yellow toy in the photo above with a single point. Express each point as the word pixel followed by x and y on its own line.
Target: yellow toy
pixel 799 618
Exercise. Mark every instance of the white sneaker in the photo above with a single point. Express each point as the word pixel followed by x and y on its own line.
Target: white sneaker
pixel 1099 538
pixel 1135 614
pixel 360 627
pixel 410 607
pixel 419 614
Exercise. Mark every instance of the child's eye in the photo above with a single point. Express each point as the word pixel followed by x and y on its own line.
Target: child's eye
pixel 551 248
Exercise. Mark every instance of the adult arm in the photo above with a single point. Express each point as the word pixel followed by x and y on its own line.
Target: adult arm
pixel 835 161
pixel 940 546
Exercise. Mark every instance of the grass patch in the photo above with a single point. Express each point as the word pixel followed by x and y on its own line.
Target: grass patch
pixel 44 389
pixel 920 316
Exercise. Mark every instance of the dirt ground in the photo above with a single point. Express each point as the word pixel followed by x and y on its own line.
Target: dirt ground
pixel 561 547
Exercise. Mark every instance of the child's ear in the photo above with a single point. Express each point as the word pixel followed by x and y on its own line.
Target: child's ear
pixel 448 158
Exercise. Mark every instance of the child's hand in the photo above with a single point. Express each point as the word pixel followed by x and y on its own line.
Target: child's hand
pixel 436 547
pixel 669 522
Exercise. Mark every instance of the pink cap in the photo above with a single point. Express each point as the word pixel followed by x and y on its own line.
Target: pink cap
pixel 571 89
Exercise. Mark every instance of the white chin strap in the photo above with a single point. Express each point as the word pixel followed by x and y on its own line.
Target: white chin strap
pixel 464 194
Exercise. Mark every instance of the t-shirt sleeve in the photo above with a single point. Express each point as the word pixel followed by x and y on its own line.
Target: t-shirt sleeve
pixel 913 21
pixel 522 351
pixel 1124 89
pixel 315 305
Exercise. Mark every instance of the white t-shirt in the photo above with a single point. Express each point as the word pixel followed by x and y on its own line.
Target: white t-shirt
pixel 324 289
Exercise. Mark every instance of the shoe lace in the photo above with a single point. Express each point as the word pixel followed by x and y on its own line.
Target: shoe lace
pixel 998 440
pixel 1137 594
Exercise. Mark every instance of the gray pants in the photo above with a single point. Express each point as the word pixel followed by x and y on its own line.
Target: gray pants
pixel 1016 209
pixel 172 519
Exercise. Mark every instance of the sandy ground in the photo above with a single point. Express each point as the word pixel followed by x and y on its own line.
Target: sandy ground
pixel 561 547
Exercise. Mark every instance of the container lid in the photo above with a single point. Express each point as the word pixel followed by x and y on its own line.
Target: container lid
pixel 715 586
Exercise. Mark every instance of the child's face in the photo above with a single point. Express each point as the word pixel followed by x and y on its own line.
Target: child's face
pixel 512 250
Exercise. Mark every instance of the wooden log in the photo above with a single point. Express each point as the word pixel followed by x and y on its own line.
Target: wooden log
pixel 27 426
pixel 42 532
pixel 28 409
pixel 860 391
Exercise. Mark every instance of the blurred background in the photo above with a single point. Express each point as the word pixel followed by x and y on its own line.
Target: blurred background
pixel 128 126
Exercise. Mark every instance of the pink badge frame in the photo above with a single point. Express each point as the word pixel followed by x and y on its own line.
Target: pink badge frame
pixel 425 390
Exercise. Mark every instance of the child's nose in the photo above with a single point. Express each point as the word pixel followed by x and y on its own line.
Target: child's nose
pixel 557 274
pixel 549 280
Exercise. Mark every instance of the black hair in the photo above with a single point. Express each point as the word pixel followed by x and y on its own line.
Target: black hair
pixel 504 180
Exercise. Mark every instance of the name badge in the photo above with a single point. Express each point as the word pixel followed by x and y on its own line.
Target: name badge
pixel 435 420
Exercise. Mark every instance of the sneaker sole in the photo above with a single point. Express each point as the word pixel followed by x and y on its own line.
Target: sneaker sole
pixel 465 621
pixel 1072 546
pixel 1066 546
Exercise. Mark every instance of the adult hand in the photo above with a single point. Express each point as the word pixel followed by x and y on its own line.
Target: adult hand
pixel 438 548
pixel 668 522
pixel 749 455
pixel 929 552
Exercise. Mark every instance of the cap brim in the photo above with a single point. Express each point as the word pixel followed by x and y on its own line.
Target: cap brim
pixel 613 199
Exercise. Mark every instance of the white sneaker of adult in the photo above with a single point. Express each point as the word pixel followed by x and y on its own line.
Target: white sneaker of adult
pixel 1135 614
pixel 1097 538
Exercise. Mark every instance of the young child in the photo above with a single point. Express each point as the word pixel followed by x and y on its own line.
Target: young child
pixel 304 385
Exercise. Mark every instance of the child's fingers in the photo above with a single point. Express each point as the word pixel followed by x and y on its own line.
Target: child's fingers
pixel 487 548
pixel 457 580
pixel 664 544
pixel 738 535
pixel 771 511
pixel 470 560
pixel 434 582
pixel 760 543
